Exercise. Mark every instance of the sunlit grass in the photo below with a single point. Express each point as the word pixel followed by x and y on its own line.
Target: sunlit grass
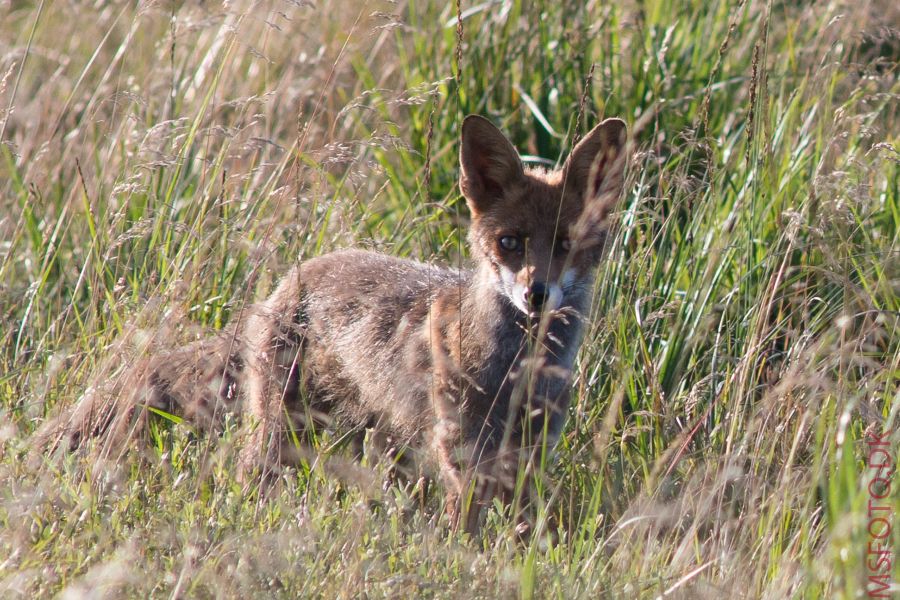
pixel 161 165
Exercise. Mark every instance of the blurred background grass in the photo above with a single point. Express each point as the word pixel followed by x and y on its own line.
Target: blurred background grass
pixel 162 163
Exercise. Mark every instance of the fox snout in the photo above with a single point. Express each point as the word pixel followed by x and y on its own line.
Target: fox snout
pixel 530 295
pixel 539 294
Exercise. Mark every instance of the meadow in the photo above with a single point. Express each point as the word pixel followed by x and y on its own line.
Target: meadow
pixel 161 163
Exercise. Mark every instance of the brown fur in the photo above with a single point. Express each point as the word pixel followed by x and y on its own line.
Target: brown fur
pixel 444 361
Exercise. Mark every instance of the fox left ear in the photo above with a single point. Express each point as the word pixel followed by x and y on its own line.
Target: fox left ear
pixel 597 163
pixel 488 163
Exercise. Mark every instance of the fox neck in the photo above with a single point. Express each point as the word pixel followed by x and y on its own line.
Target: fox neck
pixel 494 328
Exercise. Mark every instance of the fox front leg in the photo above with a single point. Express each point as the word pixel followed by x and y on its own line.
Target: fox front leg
pixel 446 433
pixel 272 355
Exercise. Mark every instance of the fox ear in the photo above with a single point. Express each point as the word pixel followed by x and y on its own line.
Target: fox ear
pixel 488 163
pixel 597 163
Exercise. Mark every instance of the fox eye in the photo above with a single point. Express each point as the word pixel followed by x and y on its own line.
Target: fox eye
pixel 565 244
pixel 509 243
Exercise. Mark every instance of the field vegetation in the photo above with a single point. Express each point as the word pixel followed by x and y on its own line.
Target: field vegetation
pixel 161 163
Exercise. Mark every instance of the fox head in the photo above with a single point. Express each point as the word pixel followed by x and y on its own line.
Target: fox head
pixel 541 232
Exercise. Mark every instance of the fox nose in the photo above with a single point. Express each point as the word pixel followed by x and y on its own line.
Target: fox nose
pixel 536 295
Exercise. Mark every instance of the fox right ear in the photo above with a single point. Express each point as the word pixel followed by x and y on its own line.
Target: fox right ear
pixel 488 163
pixel 596 165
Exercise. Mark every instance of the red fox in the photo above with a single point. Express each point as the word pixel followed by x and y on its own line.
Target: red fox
pixel 470 369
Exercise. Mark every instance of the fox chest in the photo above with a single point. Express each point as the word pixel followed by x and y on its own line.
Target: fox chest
pixel 513 387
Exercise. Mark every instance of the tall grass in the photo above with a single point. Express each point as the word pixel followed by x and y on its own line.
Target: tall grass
pixel 162 163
